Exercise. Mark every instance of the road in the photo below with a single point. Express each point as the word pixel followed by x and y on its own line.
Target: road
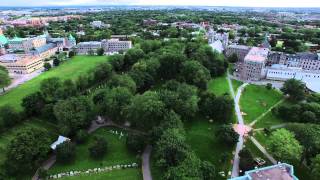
pixel 146 163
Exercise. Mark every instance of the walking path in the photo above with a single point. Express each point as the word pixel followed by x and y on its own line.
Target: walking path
pixel 236 160
pixel 146 163
pixel 95 126
pixel 263 150
pixel 265 113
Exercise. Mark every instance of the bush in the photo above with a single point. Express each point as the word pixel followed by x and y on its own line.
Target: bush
pixel 81 136
pixel 269 86
pixel 135 143
pixel 43 173
pixel 65 152
pixel 99 148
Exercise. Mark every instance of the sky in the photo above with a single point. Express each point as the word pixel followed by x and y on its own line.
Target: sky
pixel 244 3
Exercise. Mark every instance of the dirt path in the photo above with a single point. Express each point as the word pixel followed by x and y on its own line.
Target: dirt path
pixel 146 163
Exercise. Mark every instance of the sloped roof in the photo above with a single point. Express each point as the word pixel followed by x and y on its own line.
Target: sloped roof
pixel 61 139
pixel 3 39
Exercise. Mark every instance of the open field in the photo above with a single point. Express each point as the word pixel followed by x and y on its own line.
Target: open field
pixel 201 137
pixel 255 100
pixel 117 154
pixel 122 174
pixel 71 69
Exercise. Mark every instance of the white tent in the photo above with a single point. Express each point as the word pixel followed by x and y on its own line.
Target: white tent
pixel 61 139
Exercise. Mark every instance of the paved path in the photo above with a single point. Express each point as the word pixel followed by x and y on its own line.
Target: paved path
pixel 146 163
pixel 236 160
pixel 278 126
pixel 263 150
pixel 94 126
pixel 265 113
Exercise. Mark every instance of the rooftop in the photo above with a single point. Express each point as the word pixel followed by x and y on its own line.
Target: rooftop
pixel 257 54
pixel 239 47
pixel 281 171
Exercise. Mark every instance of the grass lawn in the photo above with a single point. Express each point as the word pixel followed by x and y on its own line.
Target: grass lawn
pixel 122 174
pixel 68 70
pixel 236 84
pixel 268 120
pixel 255 100
pixel 219 85
pixel 7 136
pixel 201 137
pixel 117 154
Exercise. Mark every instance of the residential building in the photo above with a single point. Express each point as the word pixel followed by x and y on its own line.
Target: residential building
pixel 149 22
pixel 88 47
pixel 214 36
pixel 21 64
pixel 97 24
pixel 253 64
pixel 240 50
pixel 281 171
pixel 115 45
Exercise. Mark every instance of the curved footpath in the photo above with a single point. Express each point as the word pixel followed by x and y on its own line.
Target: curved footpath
pixel 146 163
pixel 236 160
pixel 95 126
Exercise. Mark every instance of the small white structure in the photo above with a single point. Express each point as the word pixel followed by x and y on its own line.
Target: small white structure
pixel 61 139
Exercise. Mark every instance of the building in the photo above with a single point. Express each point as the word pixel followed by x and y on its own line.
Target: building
pixel 305 60
pixel 281 171
pixel 26 44
pixel 84 48
pixel 149 22
pixel 217 46
pixel 253 64
pixel 115 45
pixel 3 39
pixel 240 50
pixel 97 24
pixel 21 64
pixel 215 36
pixel 45 51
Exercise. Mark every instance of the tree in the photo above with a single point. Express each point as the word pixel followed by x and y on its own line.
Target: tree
pixel 171 64
pixel 103 72
pixel 99 148
pixel 26 151
pixel 284 146
pixel 207 170
pixel 135 143
pixel 9 116
pixel 295 89
pixel 315 167
pixel 308 116
pixel 122 81
pixel 195 74
pixel 67 89
pixel 33 104
pixel 171 148
pixel 56 62
pixel 65 152
pixel 146 110
pixel 73 114
pixel 227 135
pixel 47 66
pixel 4 78
pixel 222 108
pixel 115 102
pixel 132 56
pixel 246 160
pixel 117 62
pixel 233 58
pixel 100 52
pixel 82 136
pixel 48 88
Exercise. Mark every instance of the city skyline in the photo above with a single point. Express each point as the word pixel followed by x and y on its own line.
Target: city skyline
pixel 237 3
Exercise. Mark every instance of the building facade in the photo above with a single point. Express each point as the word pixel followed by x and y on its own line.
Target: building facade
pixel 115 45
pixel 21 64
pixel 85 48
pixel 240 50
pixel 253 64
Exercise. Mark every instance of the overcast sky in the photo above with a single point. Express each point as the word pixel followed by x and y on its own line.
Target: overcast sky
pixel 248 3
